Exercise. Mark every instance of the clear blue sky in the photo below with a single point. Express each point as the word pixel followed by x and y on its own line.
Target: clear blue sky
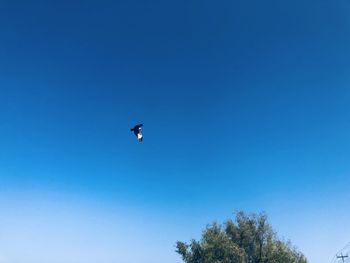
pixel 245 105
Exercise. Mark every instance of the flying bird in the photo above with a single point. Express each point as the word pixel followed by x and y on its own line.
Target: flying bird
pixel 137 131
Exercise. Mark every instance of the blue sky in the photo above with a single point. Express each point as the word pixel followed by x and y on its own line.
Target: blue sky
pixel 245 105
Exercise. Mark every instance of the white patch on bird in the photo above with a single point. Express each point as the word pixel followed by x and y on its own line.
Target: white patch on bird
pixel 139 136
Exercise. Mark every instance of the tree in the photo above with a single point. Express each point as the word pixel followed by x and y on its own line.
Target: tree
pixel 247 239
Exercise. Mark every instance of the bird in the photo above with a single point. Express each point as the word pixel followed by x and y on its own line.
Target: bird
pixel 137 131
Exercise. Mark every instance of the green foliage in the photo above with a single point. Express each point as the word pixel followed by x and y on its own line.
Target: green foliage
pixel 247 239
